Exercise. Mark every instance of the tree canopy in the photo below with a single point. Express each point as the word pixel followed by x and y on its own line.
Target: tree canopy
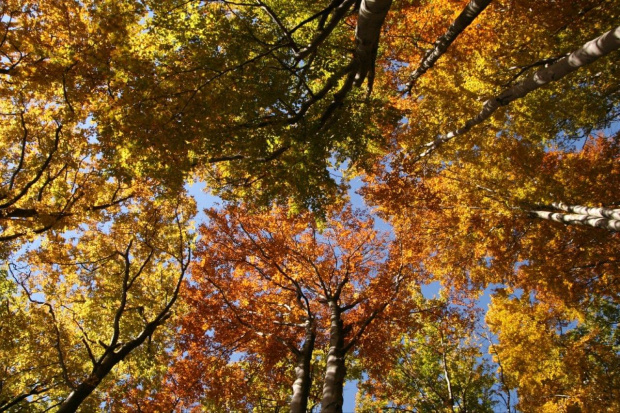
pixel 484 136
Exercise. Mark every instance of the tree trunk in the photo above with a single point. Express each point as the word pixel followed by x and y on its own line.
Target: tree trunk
pixel 446 374
pixel 469 13
pixel 370 19
pixel 579 219
pixel 303 379
pixel 587 54
pixel 595 212
pixel 336 370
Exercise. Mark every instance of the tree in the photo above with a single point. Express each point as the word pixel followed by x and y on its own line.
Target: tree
pixel 587 54
pixel 436 365
pixel 438 112
pixel 277 288
pixel 560 359
pixel 80 306
pixel 109 108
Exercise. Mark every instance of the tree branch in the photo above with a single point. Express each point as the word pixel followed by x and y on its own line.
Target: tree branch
pixel 583 56
pixel 467 16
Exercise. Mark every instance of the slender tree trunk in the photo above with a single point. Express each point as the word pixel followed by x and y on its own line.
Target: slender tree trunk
pixel 579 219
pixel 303 378
pixel 585 55
pixel 467 16
pixel 595 212
pixel 336 370
pixel 370 19
pixel 446 374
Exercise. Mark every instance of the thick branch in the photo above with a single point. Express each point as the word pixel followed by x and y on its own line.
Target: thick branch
pixel 583 56
pixel 7 404
pixel 121 307
pixel 298 116
pixel 111 358
pixel 542 62
pixel 595 212
pixel 335 370
pixel 578 219
pixel 371 16
pixel 303 376
pixel 22 152
pixel 279 23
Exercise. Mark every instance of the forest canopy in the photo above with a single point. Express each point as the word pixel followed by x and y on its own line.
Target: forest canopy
pixel 478 272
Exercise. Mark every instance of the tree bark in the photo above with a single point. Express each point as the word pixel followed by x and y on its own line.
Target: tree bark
pixel 303 378
pixel 595 212
pixel 585 55
pixel 336 370
pixel 467 16
pixel 370 19
pixel 579 219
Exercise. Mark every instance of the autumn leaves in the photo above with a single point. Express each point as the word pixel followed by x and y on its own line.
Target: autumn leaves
pixel 112 297
pixel 277 287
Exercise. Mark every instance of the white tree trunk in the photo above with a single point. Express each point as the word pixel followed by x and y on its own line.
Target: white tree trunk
pixel 579 219
pixel 595 212
pixel 587 54
pixel 469 13
pixel 335 371
pixel 446 374
pixel 303 378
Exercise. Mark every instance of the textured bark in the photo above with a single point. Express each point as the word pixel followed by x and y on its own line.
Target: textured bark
pixel 585 55
pixel 467 16
pixel 303 379
pixel 595 212
pixel 579 219
pixel 335 371
pixel 370 19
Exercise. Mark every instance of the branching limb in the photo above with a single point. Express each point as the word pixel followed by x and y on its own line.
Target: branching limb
pixel 39 173
pixel 467 16
pixel 583 56
pixel 542 62
pixel 340 9
pixel 36 389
